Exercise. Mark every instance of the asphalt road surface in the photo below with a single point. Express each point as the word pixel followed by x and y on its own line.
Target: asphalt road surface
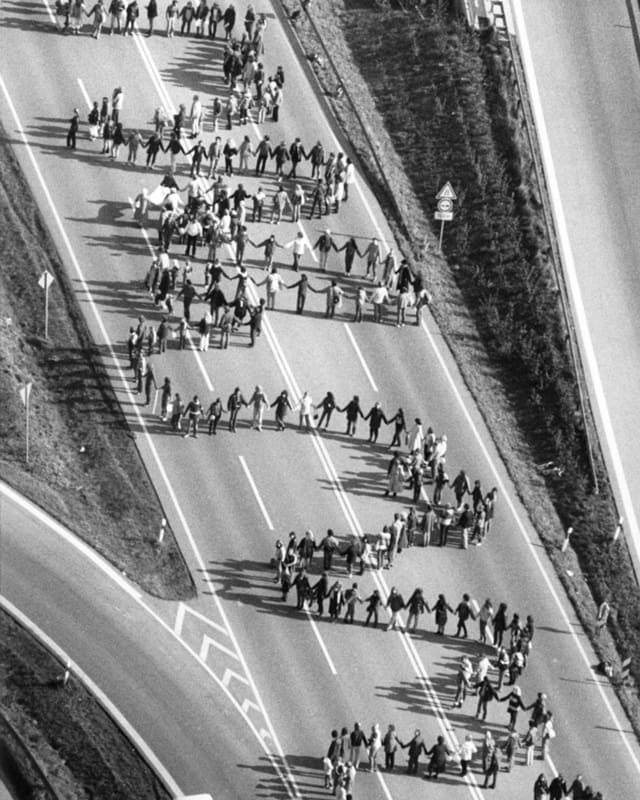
pixel 278 681
pixel 585 64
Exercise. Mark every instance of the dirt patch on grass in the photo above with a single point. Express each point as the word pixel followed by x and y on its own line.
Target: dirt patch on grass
pixel 416 119
pixel 61 732
pixel 84 467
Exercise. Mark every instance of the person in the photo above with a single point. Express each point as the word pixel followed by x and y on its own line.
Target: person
pixel 373 254
pixel 352 411
pixel 467 751
pixel 529 743
pixel 375 743
pixel 440 480
pixel 324 245
pixel 375 417
pixel 214 413
pixel 463 681
pixel 577 789
pixel 546 734
pixel 74 125
pixel 133 12
pixel 417 606
pixel 485 615
pixel 514 699
pixel 373 604
pixel 461 487
pixel 234 404
pixel 395 604
pixel 305 407
pixel 510 747
pixel 439 754
pixel 281 404
pixel 192 412
pixel 396 475
pixel 491 771
pixel 275 283
pixel 327 404
pixel 379 296
pixel 558 788
pixel 540 787
pixel 298 246
pixel 400 427
pixel 306 549
pixel 486 693
pixel 464 611
pixel 416 747
pixel 259 402
pixel 152 13
pixel 320 592
pixel 390 743
pixel 336 601
pixel 99 14
pixel 351 597
pixel 178 412
pixel 500 624
pixel 302 587
pixel 165 399
pixel 76 12
pixel 149 382
pixel 361 299
pixel 302 286
pixel 440 608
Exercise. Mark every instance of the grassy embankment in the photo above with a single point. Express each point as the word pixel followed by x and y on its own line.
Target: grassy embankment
pixel 73 740
pixel 84 467
pixel 438 103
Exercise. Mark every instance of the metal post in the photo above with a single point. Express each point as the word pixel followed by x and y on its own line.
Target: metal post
pixel 26 415
pixel 46 310
pixel 441 235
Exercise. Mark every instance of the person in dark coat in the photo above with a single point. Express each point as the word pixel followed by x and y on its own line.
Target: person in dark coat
pixel 415 747
pixel 491 771
pixel 557 788
pixel 281 404
pixel 320 591
pixel 353 411
pixel 376 417
pixel 74 124
pixel 439 754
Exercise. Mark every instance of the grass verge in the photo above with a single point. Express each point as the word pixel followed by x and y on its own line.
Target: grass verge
pixel 447 110
pixel 84 467
pixel 70 738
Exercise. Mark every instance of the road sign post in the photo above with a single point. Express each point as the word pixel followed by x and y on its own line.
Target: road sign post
pixel 25 394
pixel 45 282
pixel 444 210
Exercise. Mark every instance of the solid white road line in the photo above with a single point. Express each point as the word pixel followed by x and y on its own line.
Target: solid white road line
pixel 280 764
pixel 85 94
pixel 256 493
pixel 323 646
pixel 366 369
pixel 105 702
pixel 49 11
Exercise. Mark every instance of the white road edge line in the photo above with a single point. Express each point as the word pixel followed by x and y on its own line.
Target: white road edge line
pixel 70 538
pixel 102 698
pixel 283 770
pixel 49 11
pixel 366 369
pixel 256 493
pixel 85 94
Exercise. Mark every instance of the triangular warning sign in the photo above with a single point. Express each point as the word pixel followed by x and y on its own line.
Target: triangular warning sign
pixel 447 192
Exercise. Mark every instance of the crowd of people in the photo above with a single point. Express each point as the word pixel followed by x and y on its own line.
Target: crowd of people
pixel 215 215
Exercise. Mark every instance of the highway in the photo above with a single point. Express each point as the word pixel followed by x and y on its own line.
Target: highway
pixel 278 680
pixel 584 77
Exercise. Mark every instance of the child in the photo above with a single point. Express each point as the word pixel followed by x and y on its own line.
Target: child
pixel 327 768
pixel 529 742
